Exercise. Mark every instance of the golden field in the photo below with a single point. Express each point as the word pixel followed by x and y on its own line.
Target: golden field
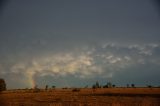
pixel 82 97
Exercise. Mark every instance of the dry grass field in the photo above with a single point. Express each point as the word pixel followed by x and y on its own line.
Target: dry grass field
pixel 82 97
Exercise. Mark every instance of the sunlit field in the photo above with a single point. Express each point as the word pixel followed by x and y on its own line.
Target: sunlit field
pixel 82 97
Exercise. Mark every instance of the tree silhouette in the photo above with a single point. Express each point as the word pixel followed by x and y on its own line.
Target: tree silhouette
pixel 109 84
pixel 113 85
pixel 132 85
pixel 127 85
pixel 53 87
pixel 97 84
pixel 93 86
pixel 2 85
pixel 149 86
pixel 46 88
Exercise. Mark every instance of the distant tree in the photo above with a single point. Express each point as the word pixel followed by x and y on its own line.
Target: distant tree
pixel 46 88
pixel 53 87
pixel 149 86
pixel 97 84
pixel 127 85
pixel 132 85
pixel 113 85
pixel 75 90
pixel 36 89
pixel 65 88
pixel 105 86
pixel 93 86
pixel 109 84
pixel 2 85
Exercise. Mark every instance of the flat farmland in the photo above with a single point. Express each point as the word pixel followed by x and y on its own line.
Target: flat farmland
pixel 82 97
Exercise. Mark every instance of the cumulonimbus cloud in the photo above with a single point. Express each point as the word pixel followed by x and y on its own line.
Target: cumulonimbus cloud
pixel 102 61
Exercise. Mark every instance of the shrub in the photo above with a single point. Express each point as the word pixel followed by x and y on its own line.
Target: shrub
pixel 75 90
pixel 2 85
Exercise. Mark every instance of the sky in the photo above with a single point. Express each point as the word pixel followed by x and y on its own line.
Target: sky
pixel 74 43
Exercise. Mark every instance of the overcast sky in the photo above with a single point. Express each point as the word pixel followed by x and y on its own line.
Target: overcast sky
pixel 78 42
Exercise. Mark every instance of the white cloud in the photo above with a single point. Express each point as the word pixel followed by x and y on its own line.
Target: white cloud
pixel 88 62
pixel 115 60
pixel 127 58
pixel 109 57
pixel 18 68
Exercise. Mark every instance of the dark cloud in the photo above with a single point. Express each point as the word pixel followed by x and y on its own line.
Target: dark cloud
pixel 157 5
pixel 2 4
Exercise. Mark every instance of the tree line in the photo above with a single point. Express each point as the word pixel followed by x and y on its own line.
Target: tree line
pixel 96 85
